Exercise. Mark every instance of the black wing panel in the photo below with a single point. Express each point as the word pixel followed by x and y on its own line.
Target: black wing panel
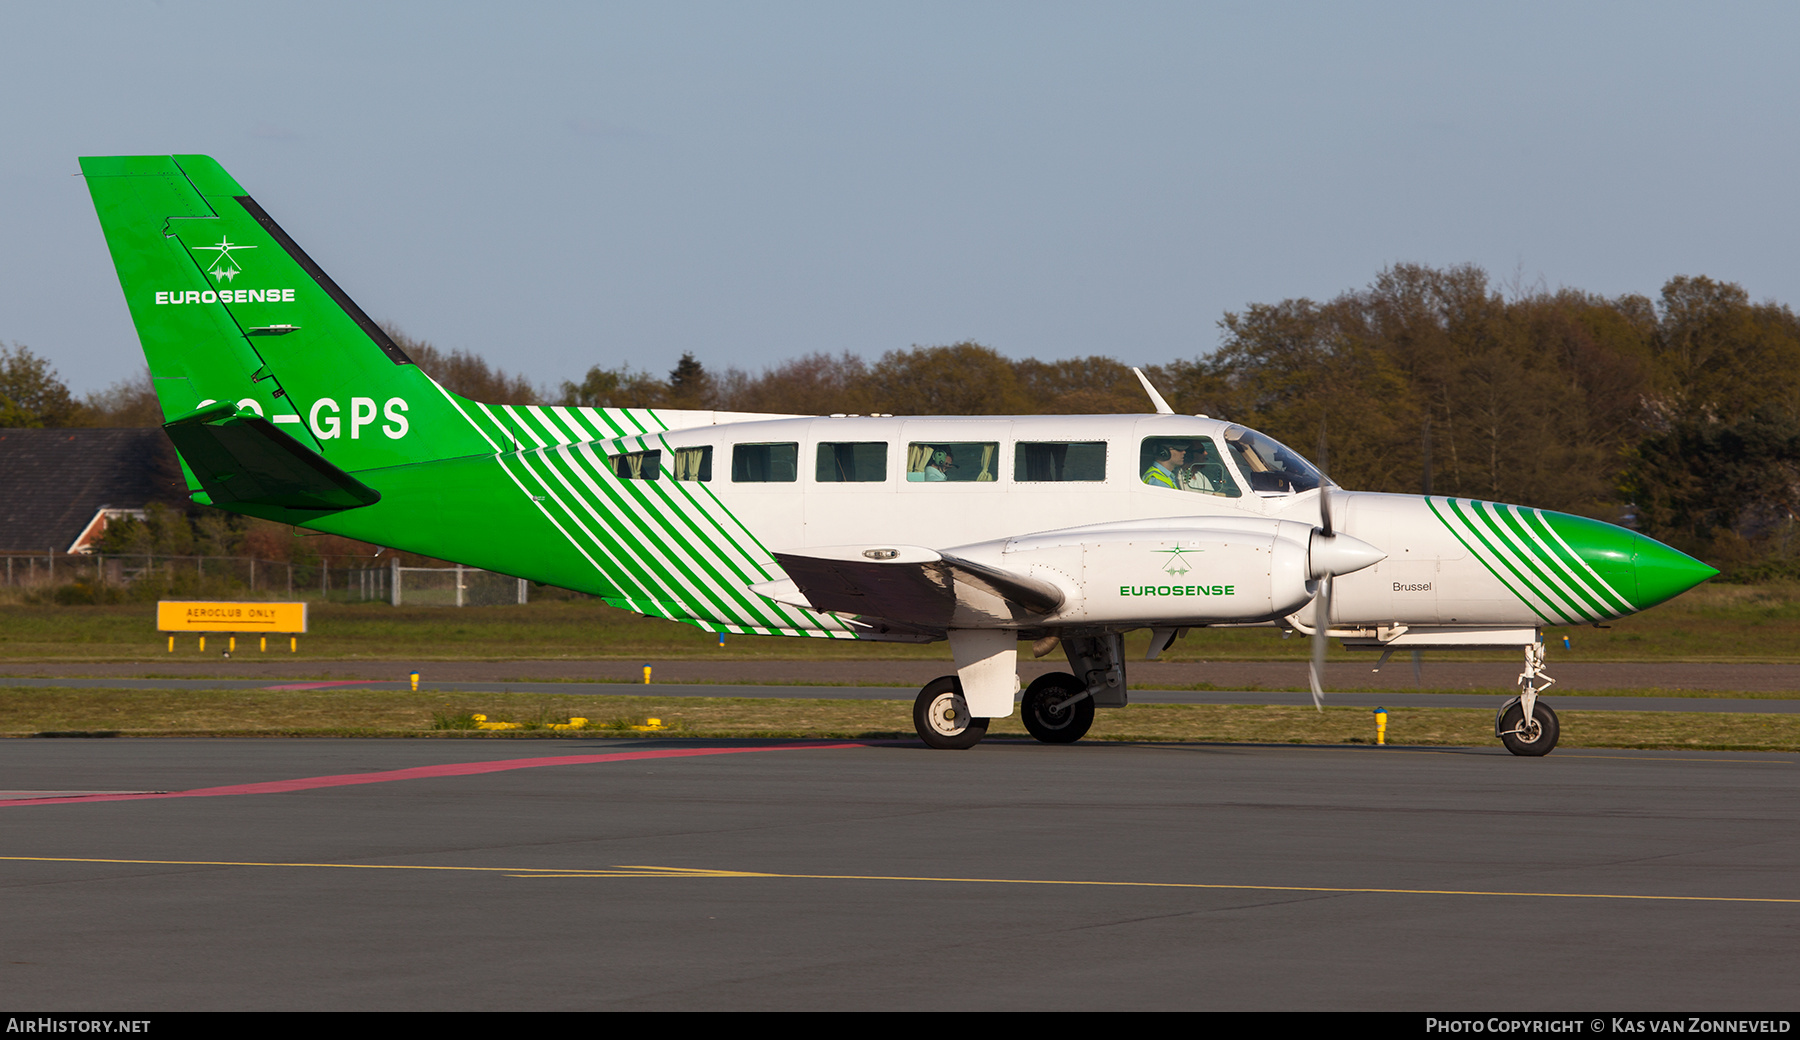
pixel 244 461
pixel 917 587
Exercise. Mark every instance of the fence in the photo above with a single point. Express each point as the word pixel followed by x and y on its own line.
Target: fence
pixel 454 587
pixel 97 578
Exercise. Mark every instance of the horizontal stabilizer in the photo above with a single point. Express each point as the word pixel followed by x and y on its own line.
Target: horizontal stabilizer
pixel 914 585
pixel 243 460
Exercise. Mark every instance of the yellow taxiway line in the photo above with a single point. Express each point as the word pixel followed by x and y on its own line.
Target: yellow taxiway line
pixel 702 872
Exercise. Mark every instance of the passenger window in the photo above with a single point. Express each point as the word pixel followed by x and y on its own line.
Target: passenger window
pixel 765 463
pixel 693 463
pixel 931 462
pixel 1059 461
pixel 852 462
pixel 638 465
pixel 1186 464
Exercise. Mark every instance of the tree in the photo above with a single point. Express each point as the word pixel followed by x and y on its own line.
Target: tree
pixel 615 388
pixel 466 373
pixel 815 384
pixel 690 384
pixel 128 402
pixel 1718 352
pixel 1092 385
pixel 1719 489
pixel 961 379
pixel 31 395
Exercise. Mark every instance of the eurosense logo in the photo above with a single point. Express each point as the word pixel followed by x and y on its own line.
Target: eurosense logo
pixel 225 266
pixel 1176 565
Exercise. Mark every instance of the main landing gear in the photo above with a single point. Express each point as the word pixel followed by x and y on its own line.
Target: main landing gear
pixel 1524 725
pixel 1057 709
pixel 941 716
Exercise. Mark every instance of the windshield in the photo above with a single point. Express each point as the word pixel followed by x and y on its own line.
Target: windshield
pixel 1270 466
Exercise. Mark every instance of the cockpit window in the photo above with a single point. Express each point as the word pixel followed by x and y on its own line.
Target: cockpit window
pixel 1270 466
pixel 1186 464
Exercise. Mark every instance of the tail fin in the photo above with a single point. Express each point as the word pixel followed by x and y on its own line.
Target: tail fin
pixel 229 309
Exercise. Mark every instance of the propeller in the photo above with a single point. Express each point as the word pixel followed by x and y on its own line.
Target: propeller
pixel 1331 554
pixel 1322 599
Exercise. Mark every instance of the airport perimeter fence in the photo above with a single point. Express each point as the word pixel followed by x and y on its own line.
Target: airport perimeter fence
pixel 65 578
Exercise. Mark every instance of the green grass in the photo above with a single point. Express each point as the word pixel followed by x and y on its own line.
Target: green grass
pixel 1711 623
pixel 26 712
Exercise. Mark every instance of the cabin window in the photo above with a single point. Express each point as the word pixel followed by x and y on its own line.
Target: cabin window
pixel 852 462
pixel 935 461
pixel 638 465
pixel 1186 464
pixel 1270 466
pixel 765 463
pixel 693 463
pixel 1059 461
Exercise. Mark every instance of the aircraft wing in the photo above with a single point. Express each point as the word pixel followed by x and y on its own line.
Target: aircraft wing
pixel 243 460
pixel 910 584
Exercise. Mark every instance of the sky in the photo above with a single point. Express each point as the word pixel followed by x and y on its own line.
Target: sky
pixel 556 186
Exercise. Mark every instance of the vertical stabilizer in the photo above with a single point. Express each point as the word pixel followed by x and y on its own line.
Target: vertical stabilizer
pixel 230 309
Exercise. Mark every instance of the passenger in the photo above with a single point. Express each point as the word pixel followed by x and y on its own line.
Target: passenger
pixel 942 461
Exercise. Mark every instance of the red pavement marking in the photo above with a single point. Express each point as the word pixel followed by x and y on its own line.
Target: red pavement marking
pixel 426 772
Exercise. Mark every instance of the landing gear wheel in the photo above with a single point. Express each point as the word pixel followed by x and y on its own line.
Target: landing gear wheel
pixel 1051 724
pixel 1532 738
pixel 941 716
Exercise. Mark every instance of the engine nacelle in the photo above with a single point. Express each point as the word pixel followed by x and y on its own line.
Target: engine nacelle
pixel 1203 570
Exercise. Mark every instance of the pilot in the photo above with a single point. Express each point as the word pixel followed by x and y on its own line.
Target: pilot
pixel 1171 458
pixel 1192 478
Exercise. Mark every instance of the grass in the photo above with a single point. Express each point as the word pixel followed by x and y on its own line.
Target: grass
pixel 1710 623
pixel 28 712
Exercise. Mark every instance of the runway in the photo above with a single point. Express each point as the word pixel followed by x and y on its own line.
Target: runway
pixel 1485 700
pixel 410 874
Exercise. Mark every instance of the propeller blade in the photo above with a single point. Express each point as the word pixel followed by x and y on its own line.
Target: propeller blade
pixel 1315 672
pixel 1324 482
pixel 1321 629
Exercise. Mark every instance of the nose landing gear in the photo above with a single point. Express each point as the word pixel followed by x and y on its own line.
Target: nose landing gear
pixel 1525 726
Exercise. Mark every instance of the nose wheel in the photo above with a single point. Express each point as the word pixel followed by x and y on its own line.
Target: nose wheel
pixel 941 716
pixel 1529 737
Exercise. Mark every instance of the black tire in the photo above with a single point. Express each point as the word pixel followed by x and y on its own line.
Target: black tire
pixel 942 716
pixel 1527 744
pixel 1049 724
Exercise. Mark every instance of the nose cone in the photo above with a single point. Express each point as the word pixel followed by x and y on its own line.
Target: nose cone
pixel 1664 573
pixel 1641 571
pixel 1569 569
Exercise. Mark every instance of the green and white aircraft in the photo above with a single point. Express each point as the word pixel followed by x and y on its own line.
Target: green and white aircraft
pixel 286 402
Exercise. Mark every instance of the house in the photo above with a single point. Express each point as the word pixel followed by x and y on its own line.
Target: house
pixel 58 487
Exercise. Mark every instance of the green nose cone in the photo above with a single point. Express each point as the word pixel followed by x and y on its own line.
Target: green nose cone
pixel 1664 573
pixel 1640 571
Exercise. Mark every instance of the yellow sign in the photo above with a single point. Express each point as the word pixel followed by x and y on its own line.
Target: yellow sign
pixel 183 616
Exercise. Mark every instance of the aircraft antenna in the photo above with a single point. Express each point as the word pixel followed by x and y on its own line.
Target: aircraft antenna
pixel 1162 406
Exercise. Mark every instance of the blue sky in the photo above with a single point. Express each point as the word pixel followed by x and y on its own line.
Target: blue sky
pixel 561 185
